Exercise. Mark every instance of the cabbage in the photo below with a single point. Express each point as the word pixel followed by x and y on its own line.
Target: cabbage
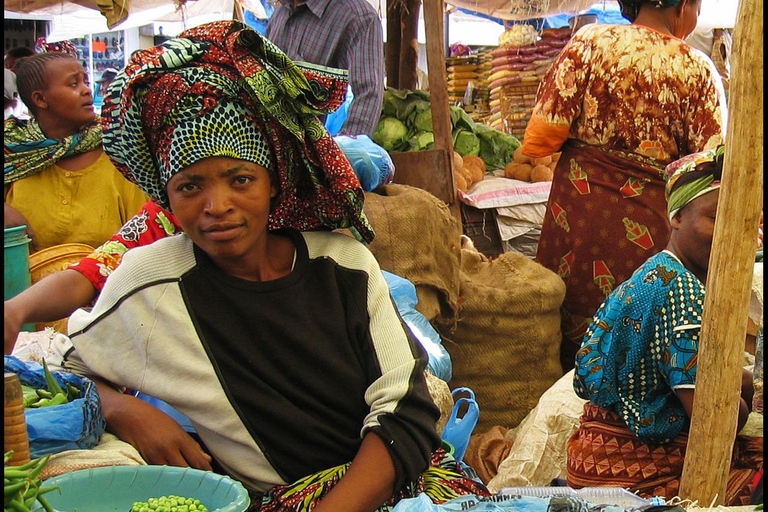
pixel 466 143
pixel 422 140
pixel 390 133
pixel 496 147
pixel 423 121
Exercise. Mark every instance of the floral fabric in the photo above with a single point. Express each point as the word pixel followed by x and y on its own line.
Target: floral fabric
pixel 150 224
pixel 629 88
pixel 628 100
pixel 642 344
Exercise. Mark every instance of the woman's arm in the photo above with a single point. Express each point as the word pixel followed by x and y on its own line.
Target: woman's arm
pixel 158 437
pixel 54 297
pixel 685 395
pixel 367 483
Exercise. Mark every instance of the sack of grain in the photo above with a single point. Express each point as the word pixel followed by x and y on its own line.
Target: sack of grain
pixel 506 346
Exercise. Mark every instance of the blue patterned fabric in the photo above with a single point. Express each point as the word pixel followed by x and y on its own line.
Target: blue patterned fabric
pixel 642 343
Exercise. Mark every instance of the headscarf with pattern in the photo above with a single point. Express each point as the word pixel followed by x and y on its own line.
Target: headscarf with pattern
pixel 60 47
pixel 680 194
pixel 221 89
pixel 630 8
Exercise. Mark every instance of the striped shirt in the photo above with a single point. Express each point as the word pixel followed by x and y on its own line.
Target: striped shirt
pixel 344 34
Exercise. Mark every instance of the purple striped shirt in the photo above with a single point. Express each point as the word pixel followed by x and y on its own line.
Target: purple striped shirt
pixel 344 34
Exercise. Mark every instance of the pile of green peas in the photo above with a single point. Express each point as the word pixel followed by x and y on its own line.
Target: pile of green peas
pixel 170 503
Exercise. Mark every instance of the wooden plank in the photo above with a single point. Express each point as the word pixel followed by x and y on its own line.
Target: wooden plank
pixel 718 382
pixel 424 169
pixel 438 84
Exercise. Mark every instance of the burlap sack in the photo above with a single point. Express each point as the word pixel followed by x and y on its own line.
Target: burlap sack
pixel 506 345
pixel 418 239
pixel 441 394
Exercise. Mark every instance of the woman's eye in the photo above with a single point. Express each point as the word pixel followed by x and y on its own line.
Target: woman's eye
pixel 243 180
pixel 186 187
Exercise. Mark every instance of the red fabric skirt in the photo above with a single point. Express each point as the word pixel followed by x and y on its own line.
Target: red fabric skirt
pixel 605 453
pixel 606 215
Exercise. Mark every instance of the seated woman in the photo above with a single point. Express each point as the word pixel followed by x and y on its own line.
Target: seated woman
pixel 637 364
pixel 58 181
pixel 277 338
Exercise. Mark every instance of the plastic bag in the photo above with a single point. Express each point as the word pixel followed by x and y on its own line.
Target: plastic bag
pixel 404 294
pixel 458 430
pixel 335 120
pixel 76 425
pixel 371 162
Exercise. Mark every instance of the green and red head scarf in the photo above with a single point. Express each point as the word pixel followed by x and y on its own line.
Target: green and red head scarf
pixel 701 171
pixel 221 89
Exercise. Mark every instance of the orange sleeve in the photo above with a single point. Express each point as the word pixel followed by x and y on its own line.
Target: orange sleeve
pixel 543 139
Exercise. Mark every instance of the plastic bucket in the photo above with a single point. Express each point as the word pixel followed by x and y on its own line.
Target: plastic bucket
pixel 16 275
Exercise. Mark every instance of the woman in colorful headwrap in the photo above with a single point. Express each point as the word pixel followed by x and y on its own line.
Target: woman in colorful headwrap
pixel 621 102
pixel 58 181
pixel 637 364
pixel 276 337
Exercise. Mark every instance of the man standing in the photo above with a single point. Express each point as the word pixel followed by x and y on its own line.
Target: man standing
pixel 344 34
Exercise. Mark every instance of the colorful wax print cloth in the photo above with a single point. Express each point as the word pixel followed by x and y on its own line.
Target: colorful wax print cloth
pixel 641 345
pixel 603 452
pixel 188 80
pixel 150 224
pixel 629 88
pixel 442 481
pixel 28 151
pixel 605 216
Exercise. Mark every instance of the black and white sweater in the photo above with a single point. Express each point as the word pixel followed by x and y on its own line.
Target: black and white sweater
pixel 280 379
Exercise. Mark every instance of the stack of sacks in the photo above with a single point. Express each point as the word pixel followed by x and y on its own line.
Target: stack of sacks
pixel 484 70
pixel 514 68
pixel 461 71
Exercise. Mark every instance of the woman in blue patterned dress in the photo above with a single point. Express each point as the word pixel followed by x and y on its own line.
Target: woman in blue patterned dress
pixel 637 364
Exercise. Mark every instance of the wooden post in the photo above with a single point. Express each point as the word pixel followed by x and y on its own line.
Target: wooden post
pixel 723 331
pixel 438 91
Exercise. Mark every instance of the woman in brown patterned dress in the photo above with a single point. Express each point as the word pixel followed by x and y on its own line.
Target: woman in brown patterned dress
pixel 620 102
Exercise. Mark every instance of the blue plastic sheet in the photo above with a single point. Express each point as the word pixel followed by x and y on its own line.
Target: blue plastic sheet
pixel 404 294
pixel 371 162
pixel 76 425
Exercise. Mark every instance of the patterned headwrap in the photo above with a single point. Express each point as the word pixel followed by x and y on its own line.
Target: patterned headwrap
pixel 630 8
pixel 221 89
pixel 28 151
pixel 61 47
pixel 679 195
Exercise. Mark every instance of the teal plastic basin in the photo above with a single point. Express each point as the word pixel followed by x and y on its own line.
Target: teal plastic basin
pixel 116 488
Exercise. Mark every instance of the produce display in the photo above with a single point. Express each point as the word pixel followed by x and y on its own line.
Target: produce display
pixel 171 503
pixel 52 395
pixel 532 170
pixel 406 125
pixel 23 487
pixel 460 71
pixel 518 66
pixel 469 170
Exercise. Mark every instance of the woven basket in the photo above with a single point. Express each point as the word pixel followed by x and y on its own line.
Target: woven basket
pixel 51 260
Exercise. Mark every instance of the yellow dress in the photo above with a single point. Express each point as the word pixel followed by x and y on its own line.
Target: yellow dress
pixel 86 206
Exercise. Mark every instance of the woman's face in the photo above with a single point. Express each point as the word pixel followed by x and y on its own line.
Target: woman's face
pixel 694 227
pixel 68 96
pixel 223 205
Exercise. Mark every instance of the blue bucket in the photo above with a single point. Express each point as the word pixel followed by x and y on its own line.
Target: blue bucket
pixel 16 270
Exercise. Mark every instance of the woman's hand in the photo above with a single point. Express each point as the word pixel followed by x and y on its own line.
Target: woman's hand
pixel 12 219
pixel 158 437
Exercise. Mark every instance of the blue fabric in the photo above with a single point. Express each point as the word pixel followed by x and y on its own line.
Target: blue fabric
pixel 642 342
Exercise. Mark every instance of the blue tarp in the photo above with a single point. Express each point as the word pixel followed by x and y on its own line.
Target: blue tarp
pixel 605 16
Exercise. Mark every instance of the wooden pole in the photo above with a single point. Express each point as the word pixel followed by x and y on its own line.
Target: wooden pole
pixel 723 331
pixel 409 44
pixel 394 35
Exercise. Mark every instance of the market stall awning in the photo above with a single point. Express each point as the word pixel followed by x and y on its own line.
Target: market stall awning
pixel 121 14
